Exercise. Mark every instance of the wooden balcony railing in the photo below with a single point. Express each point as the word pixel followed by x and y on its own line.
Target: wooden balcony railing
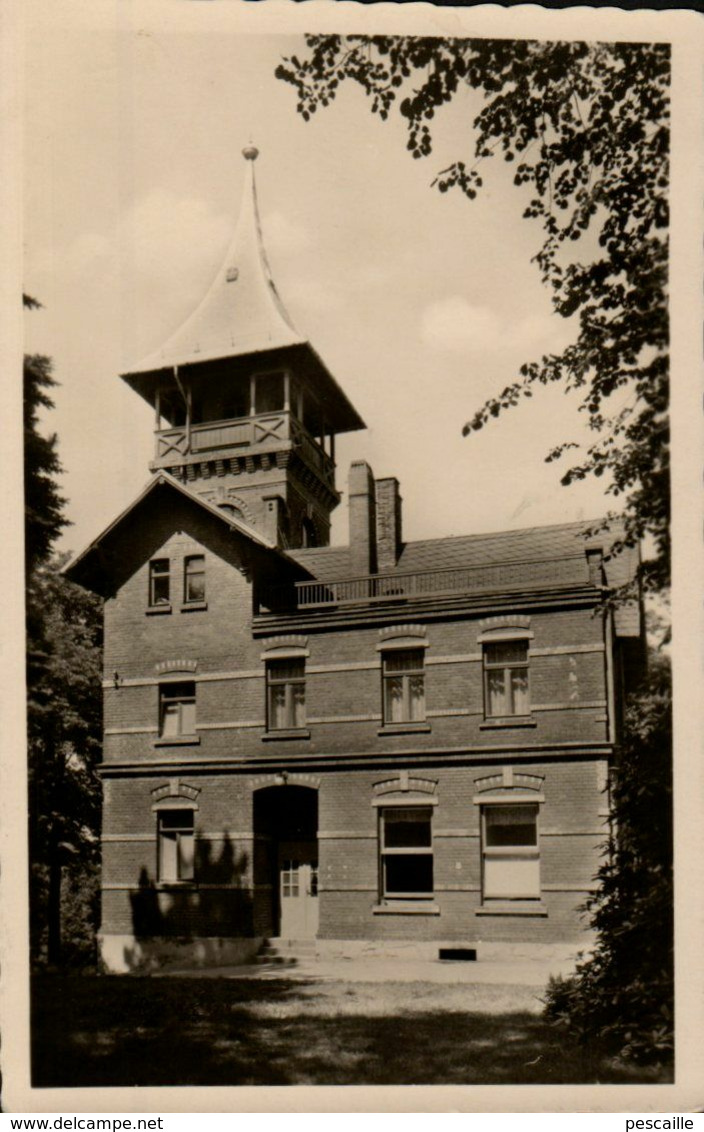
pixel 255 433
pixel 530 574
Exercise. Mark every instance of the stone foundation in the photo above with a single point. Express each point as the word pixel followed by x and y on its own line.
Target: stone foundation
pixel 562 956
pixel 122 954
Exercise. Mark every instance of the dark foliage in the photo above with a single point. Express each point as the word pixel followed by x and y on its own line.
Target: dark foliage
pixel 622 996
pixel 64 631
pixel 44 518
pixel 586 128
pixel 64 722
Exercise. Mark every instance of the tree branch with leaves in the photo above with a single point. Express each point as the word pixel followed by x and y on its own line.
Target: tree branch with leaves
pixel 586 128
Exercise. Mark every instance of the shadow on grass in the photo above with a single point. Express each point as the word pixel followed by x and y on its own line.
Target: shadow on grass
pixel 102 1031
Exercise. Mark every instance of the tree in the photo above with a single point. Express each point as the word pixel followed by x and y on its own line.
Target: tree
pixel 63 706
pixel 44 518
pixel 586 126
pixel 622 995
pixel 64 723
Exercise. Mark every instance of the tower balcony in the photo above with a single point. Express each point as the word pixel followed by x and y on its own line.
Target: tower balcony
pixel 254 435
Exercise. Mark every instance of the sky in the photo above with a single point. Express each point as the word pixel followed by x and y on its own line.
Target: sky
pixel 422 304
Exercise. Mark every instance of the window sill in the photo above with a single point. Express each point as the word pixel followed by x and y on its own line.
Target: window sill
pixel 178 741
pixel 403 728
pixel 154 610
pixel 167 885
pixel 297 733
pixel 407 908
pixel 508 721
pixel 512 908
pixel 192 606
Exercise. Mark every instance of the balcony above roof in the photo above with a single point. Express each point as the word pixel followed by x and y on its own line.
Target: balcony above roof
pixel 428 586
pixel 256 435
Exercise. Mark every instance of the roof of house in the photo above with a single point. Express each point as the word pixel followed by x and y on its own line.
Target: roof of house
pixel 82 565
pixel 560 547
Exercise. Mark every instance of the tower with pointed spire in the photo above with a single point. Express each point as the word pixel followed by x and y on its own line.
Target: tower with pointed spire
pixel 246 412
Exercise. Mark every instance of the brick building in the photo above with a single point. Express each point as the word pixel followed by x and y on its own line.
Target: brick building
pixel 384 741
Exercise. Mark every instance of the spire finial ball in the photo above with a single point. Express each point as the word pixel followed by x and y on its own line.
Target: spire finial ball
pixel 250 153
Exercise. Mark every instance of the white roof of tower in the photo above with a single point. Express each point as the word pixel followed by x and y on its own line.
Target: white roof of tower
pixel 242 312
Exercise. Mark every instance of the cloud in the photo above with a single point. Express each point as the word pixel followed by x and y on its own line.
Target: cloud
pixel 163 239
pixel 454 325
pixel 165 233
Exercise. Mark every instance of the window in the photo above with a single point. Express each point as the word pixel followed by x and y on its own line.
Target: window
pixel 286 694
pixel 511 855
pixel 235 403
pixel 404 686
pixel 159 582
pixel 506 678
pixel 177 710
pixel 270 392
pixel 406 847
pixel 194 578
pixel 309 535
pixel 176 842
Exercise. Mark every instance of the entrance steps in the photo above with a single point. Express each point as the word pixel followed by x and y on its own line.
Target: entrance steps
pixel 285 952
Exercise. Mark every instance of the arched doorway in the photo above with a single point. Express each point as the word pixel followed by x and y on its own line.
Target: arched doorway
pixel 286 836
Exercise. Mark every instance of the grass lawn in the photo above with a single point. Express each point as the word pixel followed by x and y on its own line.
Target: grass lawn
pixel 125 1030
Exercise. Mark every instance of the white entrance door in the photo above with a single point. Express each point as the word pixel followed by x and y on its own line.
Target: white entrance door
pixel 298 889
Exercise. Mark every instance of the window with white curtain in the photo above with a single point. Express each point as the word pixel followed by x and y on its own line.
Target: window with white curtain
pixel 404 686
pixel 286 694
pixel 511 855
pixel 506 690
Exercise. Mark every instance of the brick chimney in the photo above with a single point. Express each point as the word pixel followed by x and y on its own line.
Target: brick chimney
pixel 388 523
pixel 362 519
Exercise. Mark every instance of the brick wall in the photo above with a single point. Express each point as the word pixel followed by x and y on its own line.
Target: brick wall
pixel 343 670
pixel 223 901
pixel 344 718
